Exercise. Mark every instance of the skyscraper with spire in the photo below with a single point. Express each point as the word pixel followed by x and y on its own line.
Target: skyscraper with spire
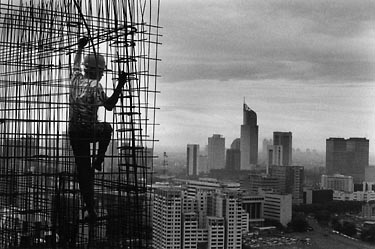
pixel 249 139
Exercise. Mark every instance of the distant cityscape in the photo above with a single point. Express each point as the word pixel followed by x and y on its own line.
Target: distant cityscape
pixel 217 197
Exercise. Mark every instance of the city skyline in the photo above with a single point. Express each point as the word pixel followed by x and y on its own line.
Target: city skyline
pixel 301 69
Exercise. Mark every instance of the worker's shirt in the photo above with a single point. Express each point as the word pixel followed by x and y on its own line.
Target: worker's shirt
pixel 86 95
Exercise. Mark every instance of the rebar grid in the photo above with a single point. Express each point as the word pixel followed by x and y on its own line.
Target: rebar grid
pixel 40 204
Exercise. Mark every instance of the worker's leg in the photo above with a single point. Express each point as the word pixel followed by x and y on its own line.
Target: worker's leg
pixel 81 150
pixel 103 133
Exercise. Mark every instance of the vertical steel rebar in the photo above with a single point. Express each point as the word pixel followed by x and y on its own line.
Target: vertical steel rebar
pixel 40 204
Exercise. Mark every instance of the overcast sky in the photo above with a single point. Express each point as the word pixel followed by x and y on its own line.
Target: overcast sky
pixel 303 66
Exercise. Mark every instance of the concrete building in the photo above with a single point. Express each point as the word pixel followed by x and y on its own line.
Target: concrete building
pixel 291 181
pixel 347 157
pixel 358 158
pixel 208 184
pixel 255 182
pixel 233 160
pixel 192 160
pixel 337 182
pixel 166 219
pixel 210 214
pixel 216 231
pixel 335 155
pixel 253 205
pixel 249 139
pixel 216 152
pixel 227 204
pixel 275 155
pixel 233 157
pixel 203 164
pixel 278 207
pixel 284 139
pixel 192 235
pixel 266 142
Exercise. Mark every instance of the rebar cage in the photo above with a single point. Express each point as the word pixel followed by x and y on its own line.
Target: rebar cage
pixel 40 202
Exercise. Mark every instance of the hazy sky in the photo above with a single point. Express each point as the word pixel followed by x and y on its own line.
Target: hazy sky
pixel 303 66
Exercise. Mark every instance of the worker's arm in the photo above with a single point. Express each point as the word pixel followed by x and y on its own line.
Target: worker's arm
pixel 78 58
pixel 111 102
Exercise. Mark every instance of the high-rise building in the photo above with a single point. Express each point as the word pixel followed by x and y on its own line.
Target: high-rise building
pixel 216 229
pixel 228 205
pixel 192 162
pixel 192 235
pixel 203 164
pixel 335 155
pixel 233 158
pixel 249 139
pixel 358 158
pixel 347 157
pixel 265 144
pixel 291 181
pixel 216 152
pixel 275 155
pixel 285 140
pixel 166 219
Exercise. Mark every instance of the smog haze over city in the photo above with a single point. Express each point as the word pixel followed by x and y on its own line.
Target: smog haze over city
pixel 302 66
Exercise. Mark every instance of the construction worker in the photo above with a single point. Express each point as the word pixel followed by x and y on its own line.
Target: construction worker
pixel 86 95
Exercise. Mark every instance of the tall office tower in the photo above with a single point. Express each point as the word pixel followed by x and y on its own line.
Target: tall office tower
pixel 203 164
pixel 291 181
pixel 233 158
pixel 192 162
pixel 265 144
pixel 227 204
pixel 347 157
pixel 249 139
pixel 216 152
pixel 284 139
pixel 275 156
pixel 167 218
pixel 336 156
pixel 358 157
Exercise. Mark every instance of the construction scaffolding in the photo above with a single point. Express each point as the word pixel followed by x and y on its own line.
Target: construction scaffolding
pixel 40 201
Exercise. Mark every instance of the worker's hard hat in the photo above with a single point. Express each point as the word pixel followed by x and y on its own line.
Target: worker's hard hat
pixel 94 61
